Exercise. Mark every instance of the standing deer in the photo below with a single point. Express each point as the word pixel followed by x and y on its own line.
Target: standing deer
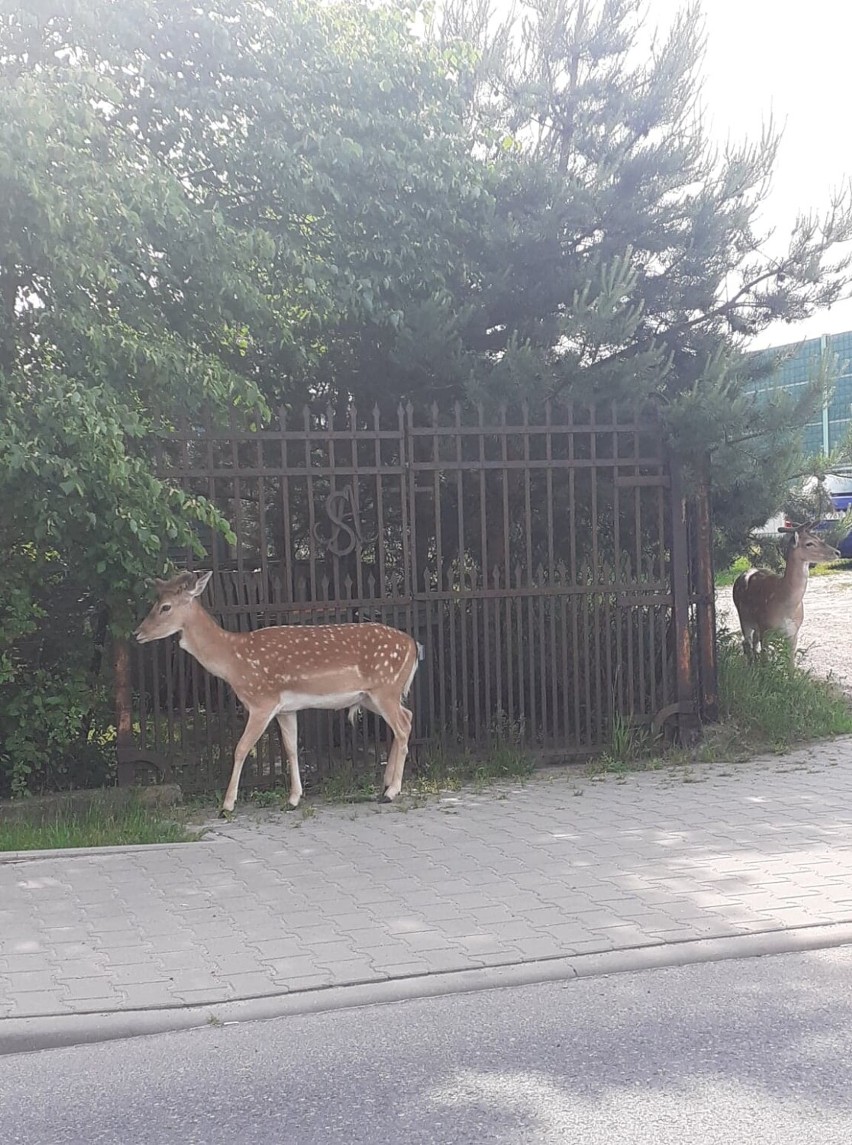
pixel 769 603
pixel 278 672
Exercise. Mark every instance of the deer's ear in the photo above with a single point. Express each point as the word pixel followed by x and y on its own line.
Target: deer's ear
pixel 158 584
pixel 200 584
pixel 794 539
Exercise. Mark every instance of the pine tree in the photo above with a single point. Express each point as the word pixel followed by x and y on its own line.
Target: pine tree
pixel 626 259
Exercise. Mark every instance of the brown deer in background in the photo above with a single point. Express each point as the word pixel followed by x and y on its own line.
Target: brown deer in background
pixel 277 672
pixel 766 602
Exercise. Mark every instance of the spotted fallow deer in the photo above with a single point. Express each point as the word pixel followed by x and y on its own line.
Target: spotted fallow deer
pixel 766 602
pixel 277 672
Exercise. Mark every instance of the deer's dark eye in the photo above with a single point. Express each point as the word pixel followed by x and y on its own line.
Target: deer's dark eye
pixel 166 608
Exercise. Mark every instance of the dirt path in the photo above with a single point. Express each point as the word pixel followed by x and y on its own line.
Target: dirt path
pixel 826 635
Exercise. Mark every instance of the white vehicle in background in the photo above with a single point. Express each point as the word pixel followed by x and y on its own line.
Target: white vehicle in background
pixel 770 529
pixel 839 488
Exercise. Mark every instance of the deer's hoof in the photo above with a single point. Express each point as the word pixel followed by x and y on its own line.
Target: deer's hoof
pixel 291 807
pixel 226 814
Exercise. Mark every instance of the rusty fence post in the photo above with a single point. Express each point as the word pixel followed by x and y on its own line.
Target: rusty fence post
pixel 683 645
pixel 123 700
pixel 705 602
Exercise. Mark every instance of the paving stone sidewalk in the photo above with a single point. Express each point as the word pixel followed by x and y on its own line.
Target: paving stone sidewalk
pixel 558 866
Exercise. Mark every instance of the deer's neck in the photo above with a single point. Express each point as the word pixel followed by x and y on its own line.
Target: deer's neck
pixel 796 579
pixel 209 643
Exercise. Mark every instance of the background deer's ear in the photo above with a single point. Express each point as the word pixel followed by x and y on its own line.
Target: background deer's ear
pixel 200 584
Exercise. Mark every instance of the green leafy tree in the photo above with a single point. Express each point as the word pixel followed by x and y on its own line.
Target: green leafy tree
pixel 330 130
pixel 125 306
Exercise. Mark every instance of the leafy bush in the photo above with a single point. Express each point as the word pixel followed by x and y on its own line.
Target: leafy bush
pixel 45 743
pixel 54 710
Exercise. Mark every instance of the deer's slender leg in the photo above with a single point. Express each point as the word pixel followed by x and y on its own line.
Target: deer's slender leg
pixel 287 722
pixel 258 722
pixel 398 719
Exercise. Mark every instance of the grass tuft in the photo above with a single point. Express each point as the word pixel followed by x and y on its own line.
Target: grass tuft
pixel 767 706
pixel 726 577
pixel 773 704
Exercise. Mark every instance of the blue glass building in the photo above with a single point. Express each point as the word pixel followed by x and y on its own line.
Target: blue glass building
pixel 801 364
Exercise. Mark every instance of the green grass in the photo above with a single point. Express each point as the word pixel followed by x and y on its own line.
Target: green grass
pixel 831 569
pixel 434 772
pixel 97 826
pixel 726 577
pixel 773 704
pixel 448 771
pixel 630 744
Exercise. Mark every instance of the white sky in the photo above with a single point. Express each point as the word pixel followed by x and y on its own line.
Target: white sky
pixel 791 61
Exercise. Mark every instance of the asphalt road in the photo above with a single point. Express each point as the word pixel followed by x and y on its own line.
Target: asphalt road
pixel 754 1051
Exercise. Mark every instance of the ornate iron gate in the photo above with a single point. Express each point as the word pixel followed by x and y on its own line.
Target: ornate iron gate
pixel 543 563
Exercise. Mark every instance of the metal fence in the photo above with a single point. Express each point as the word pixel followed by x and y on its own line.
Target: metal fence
pixel 548 566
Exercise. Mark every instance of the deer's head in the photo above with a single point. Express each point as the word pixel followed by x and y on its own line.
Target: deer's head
pixel 806 545
pixel 170 612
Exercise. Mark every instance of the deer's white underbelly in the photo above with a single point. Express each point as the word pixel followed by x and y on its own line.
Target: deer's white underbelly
pixel 298 701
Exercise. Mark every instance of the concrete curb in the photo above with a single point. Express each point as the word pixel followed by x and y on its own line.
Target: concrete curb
pixel 95 852
pixel 27 1035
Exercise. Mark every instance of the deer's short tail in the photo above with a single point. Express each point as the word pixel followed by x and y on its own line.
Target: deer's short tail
pixel 418 656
